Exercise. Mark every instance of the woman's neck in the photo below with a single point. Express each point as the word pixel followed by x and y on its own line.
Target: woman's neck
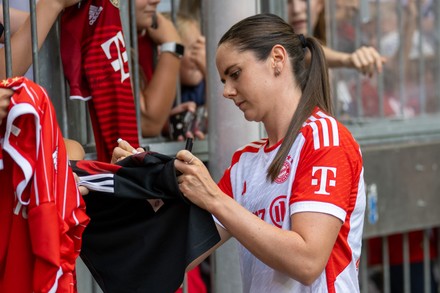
pixel 278 123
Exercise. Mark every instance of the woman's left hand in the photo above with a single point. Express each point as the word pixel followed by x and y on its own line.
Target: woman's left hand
pixel 195 182
pixel 82 189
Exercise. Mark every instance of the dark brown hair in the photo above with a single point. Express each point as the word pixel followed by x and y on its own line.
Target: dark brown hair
pixel 259 34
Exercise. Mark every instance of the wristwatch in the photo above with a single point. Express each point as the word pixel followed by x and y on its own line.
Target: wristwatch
pixel 172 47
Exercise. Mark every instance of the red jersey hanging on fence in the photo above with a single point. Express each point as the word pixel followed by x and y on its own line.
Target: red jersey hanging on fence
pixel 95 62
pixel 42 214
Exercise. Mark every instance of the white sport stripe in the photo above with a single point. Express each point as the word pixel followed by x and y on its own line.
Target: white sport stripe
pixel 25 166
pixel 98 182
pixel 66 176
pixel 319 207
pixel 334 127
pixel 55 285
pixel 324 129
pixel 316 140
pixel 325 133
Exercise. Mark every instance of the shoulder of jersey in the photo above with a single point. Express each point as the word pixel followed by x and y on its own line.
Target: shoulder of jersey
pixel 251 147
pixel 322 129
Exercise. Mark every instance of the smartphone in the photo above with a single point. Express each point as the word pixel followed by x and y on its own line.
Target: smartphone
pixel 180 124
pixel 201 120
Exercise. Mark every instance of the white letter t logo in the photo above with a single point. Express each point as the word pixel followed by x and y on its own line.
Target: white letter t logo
pixel 323 180
pixel 117 64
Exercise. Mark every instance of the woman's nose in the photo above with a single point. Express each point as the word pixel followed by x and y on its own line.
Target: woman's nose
pixel 228 91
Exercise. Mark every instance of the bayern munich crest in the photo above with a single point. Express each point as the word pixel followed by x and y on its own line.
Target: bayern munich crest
pixel 285 171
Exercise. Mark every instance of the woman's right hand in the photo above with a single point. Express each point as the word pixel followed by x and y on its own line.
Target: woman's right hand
pixel 82 189
pixel 123 150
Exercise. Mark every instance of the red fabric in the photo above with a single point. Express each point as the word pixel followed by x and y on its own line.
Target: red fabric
pixel 42 214
pixel 195 282
pixel 95 62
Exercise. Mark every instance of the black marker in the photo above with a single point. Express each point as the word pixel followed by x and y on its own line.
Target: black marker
pixel 189 144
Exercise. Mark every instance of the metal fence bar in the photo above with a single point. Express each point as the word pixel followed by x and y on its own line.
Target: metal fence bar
pixel 380 82
pixel 401 58
pixel 7 33
pixel 359 96
pixel 421 59
pixel 436 9
pixel 364 267
pixel 309 20
pixel 35 68
pixel 135 65
pixel 426 261
pixel 332 40
pixel 386 266
pixel 406 265
pixel 437 230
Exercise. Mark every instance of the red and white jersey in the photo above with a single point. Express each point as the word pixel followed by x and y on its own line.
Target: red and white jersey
pixel 95 63
pixel 42 214
pixel 322 173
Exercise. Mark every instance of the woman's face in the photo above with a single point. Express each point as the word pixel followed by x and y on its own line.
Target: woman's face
pixel 190 73
pixel 297 14
pixel 145 9
pixel 247 81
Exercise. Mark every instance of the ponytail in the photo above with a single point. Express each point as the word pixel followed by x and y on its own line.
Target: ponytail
pixel 315 88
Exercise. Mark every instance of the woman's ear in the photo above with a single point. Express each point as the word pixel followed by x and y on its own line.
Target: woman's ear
pixel 279 57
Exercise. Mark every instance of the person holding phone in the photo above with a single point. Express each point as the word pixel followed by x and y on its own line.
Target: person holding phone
pixel 160 51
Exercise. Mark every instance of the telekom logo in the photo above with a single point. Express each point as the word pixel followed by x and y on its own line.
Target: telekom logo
pixel 118 63
pixel 324 180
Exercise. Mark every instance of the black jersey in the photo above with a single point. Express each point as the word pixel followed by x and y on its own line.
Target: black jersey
pixel 130 247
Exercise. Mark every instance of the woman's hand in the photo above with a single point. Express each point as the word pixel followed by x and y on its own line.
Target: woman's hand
pixel 366 60
pixel 195 182
pixel 165 31
pixel 123 150
pixel 82 189
pixel 197 54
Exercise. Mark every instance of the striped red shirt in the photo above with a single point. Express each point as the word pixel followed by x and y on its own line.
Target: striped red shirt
pixel 42 214
pixel 95 63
